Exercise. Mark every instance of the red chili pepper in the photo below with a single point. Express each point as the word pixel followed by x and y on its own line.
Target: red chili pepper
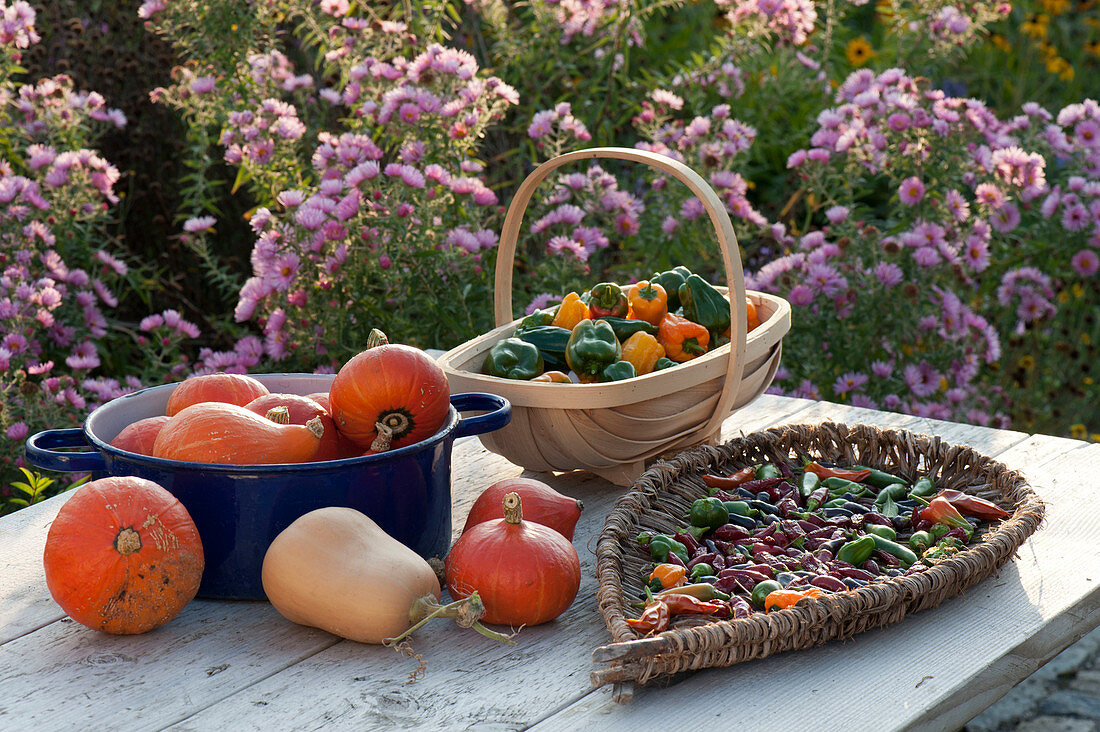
pixel 744 475
pixel 822 472
pixel 979 508
pixel 940 511
pixel 680 604
pixel 654 617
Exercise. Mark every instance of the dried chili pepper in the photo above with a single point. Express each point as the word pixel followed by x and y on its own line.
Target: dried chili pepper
pixel 654 618
pixel 742 476
pixel 823 472
pixel 970 505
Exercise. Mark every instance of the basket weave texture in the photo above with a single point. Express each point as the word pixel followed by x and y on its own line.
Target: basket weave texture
pixel 613 429
pixel 665 492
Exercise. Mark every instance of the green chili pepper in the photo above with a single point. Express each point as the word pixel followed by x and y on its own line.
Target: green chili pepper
pixel 625 328
pixel 903 553
pixel 920 541
pixel 607 298
pixel 705 305
pixel 893 491
pixel 663 363
pixel 618 371
pixel 767 471
pixel 879 478
pixel 661 545
pixel 709 513
pixel 836 503
pixel 938 530
pixel 512 358
pixel 671 281
pixel 837 486
pixel 810 482
pixel 924 486
pixel 591 348
pixel 551 342
pixel 741 508
pixel 858 551
pixel 886 532
pixel 702 569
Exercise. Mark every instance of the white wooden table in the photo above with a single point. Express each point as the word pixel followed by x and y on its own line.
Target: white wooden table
pixel 240 665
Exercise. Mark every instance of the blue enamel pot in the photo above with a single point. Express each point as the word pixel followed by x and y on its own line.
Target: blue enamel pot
pixel 239 510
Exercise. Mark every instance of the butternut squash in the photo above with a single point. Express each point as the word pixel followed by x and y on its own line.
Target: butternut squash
pixel 335 569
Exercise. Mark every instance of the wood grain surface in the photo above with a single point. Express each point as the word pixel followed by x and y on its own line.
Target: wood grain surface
pixel 240 664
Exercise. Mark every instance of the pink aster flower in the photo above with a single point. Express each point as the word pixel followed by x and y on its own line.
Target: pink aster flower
pixel 911 191
pixel 1086 262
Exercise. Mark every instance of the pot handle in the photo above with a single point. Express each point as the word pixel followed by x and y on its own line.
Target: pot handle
pixel 42 454
pixel 499 415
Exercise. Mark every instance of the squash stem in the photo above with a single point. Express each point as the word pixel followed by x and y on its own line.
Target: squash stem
pixel 466 613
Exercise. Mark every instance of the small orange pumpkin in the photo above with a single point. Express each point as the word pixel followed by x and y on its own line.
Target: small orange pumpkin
pixel 301 409
pixel 393 385
pixel 123 555
pixel 215 432
pixel 139 436
pixel 237 389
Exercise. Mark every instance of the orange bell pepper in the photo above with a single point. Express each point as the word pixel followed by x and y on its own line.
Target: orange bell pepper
pixel 682 339
pixel 648 301
pixel 752 319
pixel 642 350
pixel 571 311
pixel 554 377
pixel 670 575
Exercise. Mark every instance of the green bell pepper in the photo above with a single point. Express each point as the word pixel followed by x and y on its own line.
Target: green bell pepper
pixel 664 362
pixel 708 513
pixel 551 341
pixel 512 358
pixel 705 305
pixel 625 328
pixel 537 319
pixel 671 281
pixel 591 348
pixel 607 298
pixel 618 371
pixel 661 545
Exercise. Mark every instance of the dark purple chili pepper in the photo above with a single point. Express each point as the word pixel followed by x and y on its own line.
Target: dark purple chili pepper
pixel 787 506
pixel 826 582
pixel 877 518
pixel 674 559
pixel 853 573
pixel 740 608
pixel 957 533
pixel 723 547
pixel 729 532
pixel 823 555
pixel 755 486
pixel 872 566
pixel 707 557
pixel 723 496
pixel 794 529
pixel 780 539
pixel 812 523
pixel 689 541
pixel 885 559
pixel 719 562
pixel 731 585
pixel 785 470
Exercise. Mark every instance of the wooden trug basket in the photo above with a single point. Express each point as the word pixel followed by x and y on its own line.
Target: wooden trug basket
pixel 613 429
pixel 661 497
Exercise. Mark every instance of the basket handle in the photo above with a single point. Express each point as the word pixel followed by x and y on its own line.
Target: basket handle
pixel 719 218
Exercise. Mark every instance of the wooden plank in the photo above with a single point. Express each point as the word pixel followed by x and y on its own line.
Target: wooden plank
pixel 25 602
pixel 934 670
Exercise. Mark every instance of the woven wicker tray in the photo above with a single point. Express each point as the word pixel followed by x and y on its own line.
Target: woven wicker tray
pixel 665 492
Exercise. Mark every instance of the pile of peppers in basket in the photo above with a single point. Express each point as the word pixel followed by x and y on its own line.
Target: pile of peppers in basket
pixel 771 535
pixel 611 333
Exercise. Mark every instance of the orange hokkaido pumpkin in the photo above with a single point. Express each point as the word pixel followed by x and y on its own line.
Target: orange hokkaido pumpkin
pixel 237 389
pixel 123 556
pixel 393 385
pixel 215 432
pixel 140 436
pixel 301 409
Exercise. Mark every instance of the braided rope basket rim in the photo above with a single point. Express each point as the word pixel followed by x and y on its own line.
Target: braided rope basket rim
pixel 664 493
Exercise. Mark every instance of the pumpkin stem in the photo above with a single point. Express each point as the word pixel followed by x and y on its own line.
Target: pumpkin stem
pixel 466 612
pixel 382 441
pixel 316 427
pixel 279 415
pixel 513 509
pixel 128 541
pixel 376 338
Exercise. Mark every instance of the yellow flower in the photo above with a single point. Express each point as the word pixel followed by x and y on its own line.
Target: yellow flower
pixel 1063 297
pixel 1086 339
pixel 1000 42
pixel 1078 290
pixel 885 9
pixel 1027 362
pixel 1055 7
pixel 1035 26
pixel 859 51
pixel 1092 48
pixel 1078 431
pixel 1061 67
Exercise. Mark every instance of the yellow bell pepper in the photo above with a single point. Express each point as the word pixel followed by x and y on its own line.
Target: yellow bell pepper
pixel 571 311
pixel 642 350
